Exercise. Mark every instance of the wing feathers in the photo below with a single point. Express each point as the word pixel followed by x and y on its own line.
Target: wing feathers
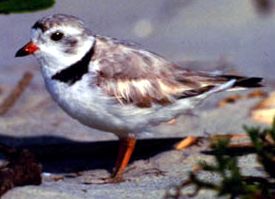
pixel 142 93
pixel 139 77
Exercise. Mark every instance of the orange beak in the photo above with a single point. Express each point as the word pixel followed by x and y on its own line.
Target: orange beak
pixel 28 49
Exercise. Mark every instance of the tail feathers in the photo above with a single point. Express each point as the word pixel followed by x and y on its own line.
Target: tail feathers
pixel 245 82
pixel 229 83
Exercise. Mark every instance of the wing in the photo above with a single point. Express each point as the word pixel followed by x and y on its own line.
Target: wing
pixel 133 75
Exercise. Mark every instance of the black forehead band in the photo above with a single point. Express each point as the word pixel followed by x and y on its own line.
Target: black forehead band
pixel 39 25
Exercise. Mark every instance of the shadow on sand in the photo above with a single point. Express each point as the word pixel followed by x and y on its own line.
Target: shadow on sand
pixel 61 155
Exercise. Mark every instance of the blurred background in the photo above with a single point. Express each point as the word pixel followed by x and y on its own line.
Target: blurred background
pixel 240 33
pixel 234 36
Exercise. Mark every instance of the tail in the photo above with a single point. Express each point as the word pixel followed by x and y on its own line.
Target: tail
pixel 222 83
pixel 244 82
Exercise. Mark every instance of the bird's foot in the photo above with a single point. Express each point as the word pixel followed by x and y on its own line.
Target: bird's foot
pixel 104 180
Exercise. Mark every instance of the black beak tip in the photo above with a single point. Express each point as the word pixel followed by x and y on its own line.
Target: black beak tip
pixel 20 53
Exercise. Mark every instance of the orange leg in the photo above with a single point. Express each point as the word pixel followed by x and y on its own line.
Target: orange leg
pixel 186 142
pixel 126 148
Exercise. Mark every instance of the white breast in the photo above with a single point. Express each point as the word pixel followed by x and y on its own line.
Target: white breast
pixel 85 103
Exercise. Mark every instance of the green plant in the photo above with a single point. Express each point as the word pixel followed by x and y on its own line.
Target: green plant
pixel 232 183
pixel 20 6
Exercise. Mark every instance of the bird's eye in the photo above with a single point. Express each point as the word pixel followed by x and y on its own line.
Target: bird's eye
pixel 56 36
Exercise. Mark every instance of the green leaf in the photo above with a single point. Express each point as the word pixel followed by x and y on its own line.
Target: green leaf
pixel 20 6
pixel 272 129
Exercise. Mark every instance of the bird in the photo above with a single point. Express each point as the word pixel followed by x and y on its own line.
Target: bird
pixel 117 86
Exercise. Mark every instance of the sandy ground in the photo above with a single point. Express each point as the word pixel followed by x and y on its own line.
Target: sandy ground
pixel 211 32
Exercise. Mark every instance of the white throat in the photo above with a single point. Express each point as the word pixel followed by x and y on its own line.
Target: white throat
pixel 53 60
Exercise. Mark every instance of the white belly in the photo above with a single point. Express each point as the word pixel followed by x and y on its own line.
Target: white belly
pixel 85 103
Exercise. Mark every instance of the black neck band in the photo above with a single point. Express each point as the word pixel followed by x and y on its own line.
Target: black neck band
pixel 73 73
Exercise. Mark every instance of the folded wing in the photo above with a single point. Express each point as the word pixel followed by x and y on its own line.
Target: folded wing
pixel 132 75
